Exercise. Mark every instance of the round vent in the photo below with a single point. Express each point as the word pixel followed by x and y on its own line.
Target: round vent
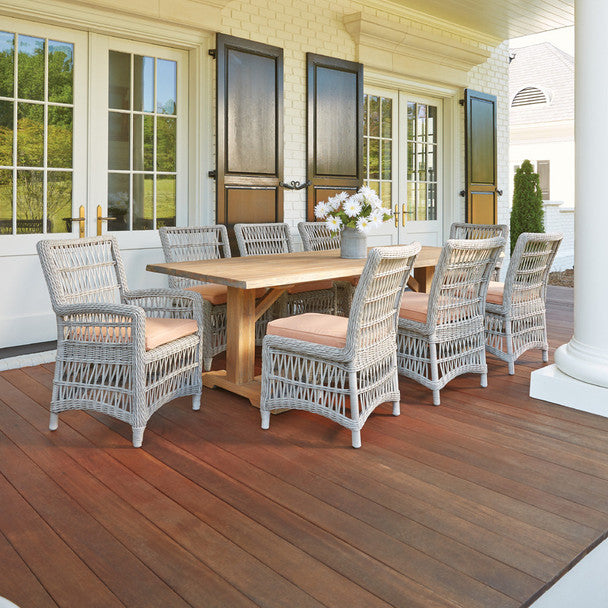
pixel 528 97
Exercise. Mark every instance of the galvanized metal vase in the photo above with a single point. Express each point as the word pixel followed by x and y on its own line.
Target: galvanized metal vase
pixel 353 244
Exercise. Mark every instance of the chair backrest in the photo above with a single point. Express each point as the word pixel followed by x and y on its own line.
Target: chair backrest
pixel 460 285
pixel 373 313
pixel 193 243
pixel 316 236
pixel 263 239
pixel 460 230
pixel 528 272
pixel 83 270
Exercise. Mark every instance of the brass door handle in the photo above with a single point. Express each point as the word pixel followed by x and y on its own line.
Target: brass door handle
pixel 101 219
pixel 396 214
pixel 81 220
pixel 403 214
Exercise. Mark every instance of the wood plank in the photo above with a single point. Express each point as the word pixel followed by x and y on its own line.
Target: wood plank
pixel 17 581
pixel 240 338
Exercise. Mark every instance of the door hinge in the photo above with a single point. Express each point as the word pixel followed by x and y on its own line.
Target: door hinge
pixel 461 102
pixel 213 53
pixel 212 174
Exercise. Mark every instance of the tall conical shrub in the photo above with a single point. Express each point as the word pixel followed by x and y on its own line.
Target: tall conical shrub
pixel 527 214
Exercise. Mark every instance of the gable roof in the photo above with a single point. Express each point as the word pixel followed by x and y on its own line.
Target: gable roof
pixel 550 71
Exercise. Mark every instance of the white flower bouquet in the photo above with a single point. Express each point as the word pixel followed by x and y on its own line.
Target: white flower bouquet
pixel 361 211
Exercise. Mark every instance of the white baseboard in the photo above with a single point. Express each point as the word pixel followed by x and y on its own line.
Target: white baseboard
pixel 48 356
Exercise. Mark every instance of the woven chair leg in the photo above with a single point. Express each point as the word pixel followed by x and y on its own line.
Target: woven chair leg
pixel 511 368
pixel 265 420
pixel 196 402
pixel 396 408
pixel 356 439
pixel 207 361
pixel 138 436
pixel 53 422
pixel 484 380
pixel 436 398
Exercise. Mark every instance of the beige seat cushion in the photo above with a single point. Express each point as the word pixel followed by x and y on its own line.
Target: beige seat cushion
pixel 329 330
pixel 414 306
pixel 310 286
pixel 163 331
pixel 495 293
pixel 217 294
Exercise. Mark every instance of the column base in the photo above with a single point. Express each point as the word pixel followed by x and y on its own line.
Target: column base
pixel 550 384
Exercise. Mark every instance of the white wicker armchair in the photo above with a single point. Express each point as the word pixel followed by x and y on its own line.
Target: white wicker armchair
pixel 266 239
pixel 481 231
pixel 515 309
pixel 121 353
pixel 201 243
pixel 341 368
pixel 316 236
pixel 441 334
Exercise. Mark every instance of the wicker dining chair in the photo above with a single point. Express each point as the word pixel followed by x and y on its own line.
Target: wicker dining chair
pixel 201 243
pixel 341 368
pixel 515 310
pixel 119 352
pixel 271 238
pixel 460 230
pixel 441 334
pixel 316 236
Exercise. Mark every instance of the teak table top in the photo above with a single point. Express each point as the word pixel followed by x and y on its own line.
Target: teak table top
pixel 280 269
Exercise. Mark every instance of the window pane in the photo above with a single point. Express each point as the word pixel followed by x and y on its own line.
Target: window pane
pixel 166 86
pixel 431 157
pixel 59 140
pixel 374 159
pixel 6 132
pixel 386 194
pixel 29 202
pixel 118 141
pixel 59 201
pixel 432 124
pixel 421 162
pixel 411 201
pixel 143 202
pixel 61 71
pixel 165 144
pixel 365 115
pixel 143 83
pixel 432 202
pixel 411 162
pixel 165 201
pixel 120 81
pixel 6 201
pixel 365 159
pixel 421 203
pixel 143 143
pixel 30 80
pixel 374 116
pixel 7 64
pixel 411 120
pixel 30 135
pixel 387 117
pixel 421 124
pixel 387 172
pixel 374 185
pixel 118 201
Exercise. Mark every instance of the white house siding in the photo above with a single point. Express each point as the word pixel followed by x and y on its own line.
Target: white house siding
pixel 298 27
pixel 560 218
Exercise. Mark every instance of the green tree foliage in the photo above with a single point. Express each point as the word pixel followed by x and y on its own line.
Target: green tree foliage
pixel 527 214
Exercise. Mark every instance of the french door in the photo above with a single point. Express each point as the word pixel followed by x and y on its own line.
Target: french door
pixel 91 127
pixel 402 157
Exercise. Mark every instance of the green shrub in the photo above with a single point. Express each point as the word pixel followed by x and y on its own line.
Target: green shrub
pixel 527 214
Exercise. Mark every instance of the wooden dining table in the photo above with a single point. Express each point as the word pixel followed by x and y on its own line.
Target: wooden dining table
pixel 244 275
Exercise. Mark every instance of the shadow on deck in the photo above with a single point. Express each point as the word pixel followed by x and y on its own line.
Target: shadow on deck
pixel 483 501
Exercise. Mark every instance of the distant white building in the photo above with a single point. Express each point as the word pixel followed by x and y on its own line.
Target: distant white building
pixel 541 94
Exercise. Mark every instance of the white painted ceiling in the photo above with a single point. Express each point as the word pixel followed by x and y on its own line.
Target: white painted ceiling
pixel 499 18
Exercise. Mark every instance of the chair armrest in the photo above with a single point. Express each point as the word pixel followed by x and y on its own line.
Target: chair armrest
pixel 168 303
pixel 307 349
pixel 102 323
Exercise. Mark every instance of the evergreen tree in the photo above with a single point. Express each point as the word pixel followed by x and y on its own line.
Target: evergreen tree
pixel 527 214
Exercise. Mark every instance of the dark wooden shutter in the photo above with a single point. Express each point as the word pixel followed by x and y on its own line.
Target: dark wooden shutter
pixel 249 163
pixel 334 127
pixel 480 157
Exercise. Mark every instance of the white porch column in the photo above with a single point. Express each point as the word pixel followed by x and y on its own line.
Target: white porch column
pixel 580 377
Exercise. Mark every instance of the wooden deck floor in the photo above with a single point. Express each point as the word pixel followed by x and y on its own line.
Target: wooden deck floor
pixel 481 502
